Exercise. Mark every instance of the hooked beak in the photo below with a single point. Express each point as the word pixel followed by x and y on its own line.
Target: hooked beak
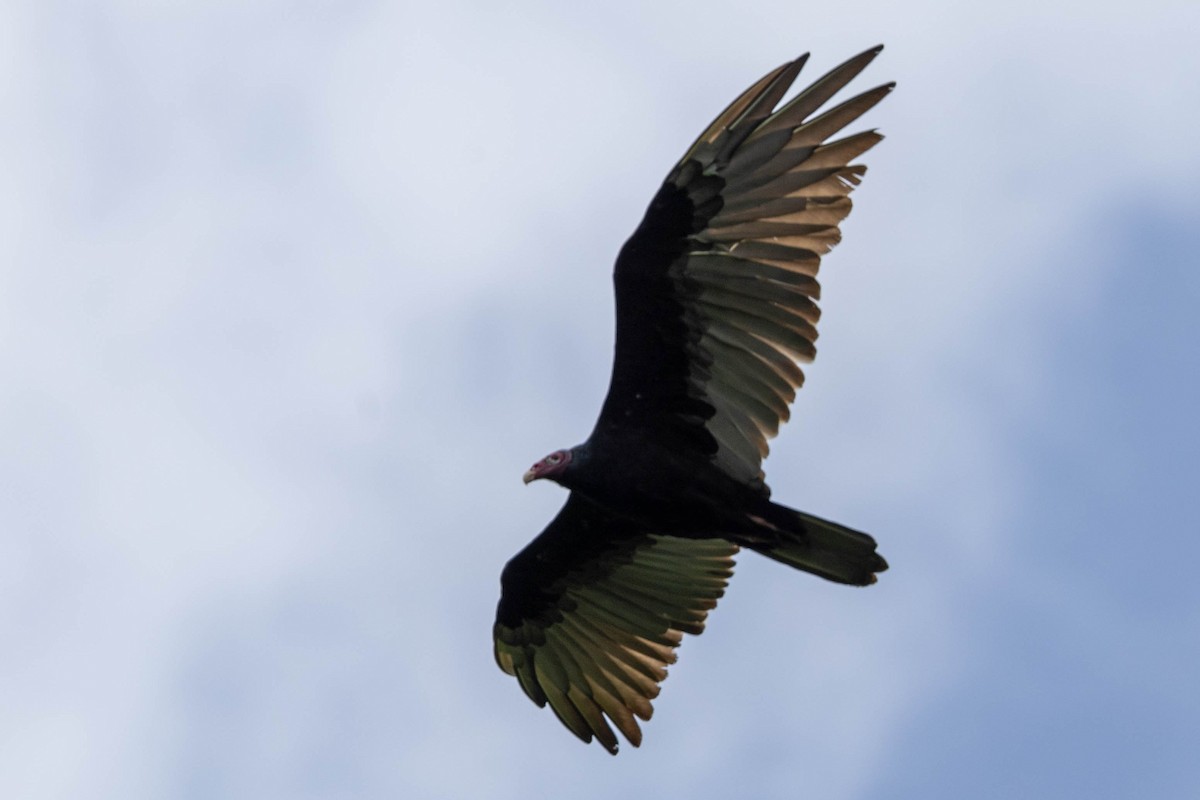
pixel 529 477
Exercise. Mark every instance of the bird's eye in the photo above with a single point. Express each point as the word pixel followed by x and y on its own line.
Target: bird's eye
pixel 554 459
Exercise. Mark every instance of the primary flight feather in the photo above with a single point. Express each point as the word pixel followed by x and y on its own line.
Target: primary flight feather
pixel 716 303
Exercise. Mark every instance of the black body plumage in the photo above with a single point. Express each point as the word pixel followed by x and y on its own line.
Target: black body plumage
pixel 716 303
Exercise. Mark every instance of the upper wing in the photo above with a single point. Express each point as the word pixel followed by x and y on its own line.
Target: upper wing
pixel 715 290
pixel 592 610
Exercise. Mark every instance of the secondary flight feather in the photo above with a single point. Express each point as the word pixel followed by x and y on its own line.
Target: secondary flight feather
pixel 716 303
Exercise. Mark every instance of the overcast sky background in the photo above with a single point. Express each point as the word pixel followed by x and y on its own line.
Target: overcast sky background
pixel 292 293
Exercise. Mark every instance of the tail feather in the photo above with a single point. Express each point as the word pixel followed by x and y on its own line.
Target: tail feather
pixel 815 545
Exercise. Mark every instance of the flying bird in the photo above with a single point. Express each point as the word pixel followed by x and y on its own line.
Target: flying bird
pixel 715 295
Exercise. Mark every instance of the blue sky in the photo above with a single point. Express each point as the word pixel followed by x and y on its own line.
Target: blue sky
pixel 292 294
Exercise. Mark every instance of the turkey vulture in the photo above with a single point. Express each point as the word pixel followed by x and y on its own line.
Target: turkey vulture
pixel 715 296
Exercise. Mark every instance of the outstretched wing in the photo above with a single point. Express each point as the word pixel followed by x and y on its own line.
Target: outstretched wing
pixel 592 610
pixel 716 289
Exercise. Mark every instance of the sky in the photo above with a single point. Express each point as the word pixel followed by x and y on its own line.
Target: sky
pixel 291 294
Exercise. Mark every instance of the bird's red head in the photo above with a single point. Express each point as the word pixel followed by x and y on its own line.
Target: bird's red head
pixel 550 466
